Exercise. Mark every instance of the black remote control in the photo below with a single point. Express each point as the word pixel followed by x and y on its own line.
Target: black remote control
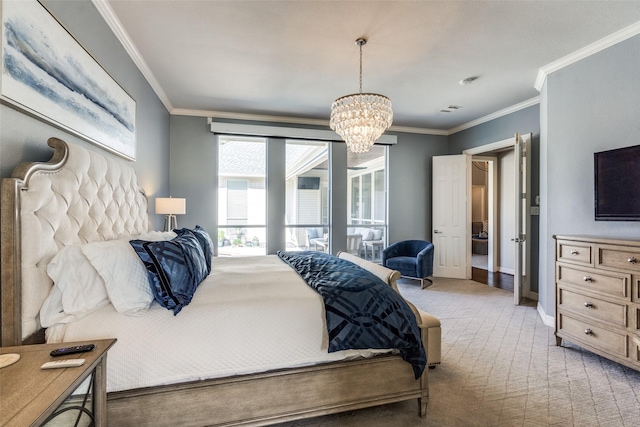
pixel 72 350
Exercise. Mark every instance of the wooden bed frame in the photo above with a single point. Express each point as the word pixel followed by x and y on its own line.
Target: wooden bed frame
pixel 256 399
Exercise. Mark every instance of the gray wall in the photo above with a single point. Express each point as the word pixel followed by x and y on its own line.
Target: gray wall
pixel 523 121
pixel 410 186
pixel 193 175
pixel 590 106
pixel 192 170
pixel 23 138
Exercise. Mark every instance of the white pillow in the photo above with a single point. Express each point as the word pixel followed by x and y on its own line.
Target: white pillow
pixel 366 234
pixel 377 234
pixel 77 288
pixel 125 277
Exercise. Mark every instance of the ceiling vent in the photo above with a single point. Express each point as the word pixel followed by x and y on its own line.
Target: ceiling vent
pixel 468 80
pixel 450 108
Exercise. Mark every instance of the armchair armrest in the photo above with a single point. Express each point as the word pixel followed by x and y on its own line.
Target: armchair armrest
pixel 425 261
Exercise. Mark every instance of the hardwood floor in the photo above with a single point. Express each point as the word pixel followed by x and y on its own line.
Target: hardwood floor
pixel 496 280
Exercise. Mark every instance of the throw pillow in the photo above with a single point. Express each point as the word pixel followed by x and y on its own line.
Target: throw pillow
pixel 204 240
pixel 175 268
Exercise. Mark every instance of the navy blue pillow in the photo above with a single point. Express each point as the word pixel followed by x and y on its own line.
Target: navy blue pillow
pixel 175 268
pixel 205 242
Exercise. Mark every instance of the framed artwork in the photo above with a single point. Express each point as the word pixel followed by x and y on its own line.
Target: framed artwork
pixel 48 74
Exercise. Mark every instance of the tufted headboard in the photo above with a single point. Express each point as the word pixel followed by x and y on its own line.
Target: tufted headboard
pixel 78 196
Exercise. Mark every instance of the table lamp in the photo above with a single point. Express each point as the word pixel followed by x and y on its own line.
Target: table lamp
pixel 170 207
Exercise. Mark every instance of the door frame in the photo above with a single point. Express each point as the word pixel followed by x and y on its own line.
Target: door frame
pixel 501 146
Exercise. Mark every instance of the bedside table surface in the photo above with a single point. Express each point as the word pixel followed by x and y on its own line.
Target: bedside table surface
pixel 29 394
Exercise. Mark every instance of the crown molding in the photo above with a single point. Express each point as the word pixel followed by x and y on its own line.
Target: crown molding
pixel 517 107
pixel 116 26
pixel 593 48
pixel 321 122
pixel 424 131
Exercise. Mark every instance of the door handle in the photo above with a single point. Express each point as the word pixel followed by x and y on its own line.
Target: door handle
pixel 437 231
pixel 516 240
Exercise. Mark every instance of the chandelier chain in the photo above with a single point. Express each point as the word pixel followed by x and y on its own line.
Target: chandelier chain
pixel 360 66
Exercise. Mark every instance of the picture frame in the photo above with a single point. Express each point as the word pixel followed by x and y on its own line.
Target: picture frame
pixel 49 75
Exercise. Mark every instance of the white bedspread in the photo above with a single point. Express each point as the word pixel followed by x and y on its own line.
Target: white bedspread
pixel 250 315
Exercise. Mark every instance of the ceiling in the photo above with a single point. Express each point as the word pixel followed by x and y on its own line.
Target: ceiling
pixel 291 59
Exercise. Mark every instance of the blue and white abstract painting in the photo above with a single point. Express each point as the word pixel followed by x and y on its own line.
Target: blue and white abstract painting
pixel 46 72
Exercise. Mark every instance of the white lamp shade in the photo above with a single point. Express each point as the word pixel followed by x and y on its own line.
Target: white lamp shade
pixel 171 206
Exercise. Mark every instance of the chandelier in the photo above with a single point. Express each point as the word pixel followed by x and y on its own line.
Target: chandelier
pixel 360 119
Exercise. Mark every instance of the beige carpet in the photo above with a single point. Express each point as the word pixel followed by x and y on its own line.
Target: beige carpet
pixel 501 367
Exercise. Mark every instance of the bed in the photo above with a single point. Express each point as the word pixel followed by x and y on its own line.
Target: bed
pixel 81 197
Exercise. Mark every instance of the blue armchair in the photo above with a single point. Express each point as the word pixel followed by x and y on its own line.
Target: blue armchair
pixel 412 258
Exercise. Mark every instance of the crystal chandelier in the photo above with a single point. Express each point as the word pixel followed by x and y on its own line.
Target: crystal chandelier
pixel 360 119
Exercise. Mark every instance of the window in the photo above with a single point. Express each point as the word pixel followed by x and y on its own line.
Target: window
pixel 301 208
pixel 307 195
pixel 367 194
pixel 241 196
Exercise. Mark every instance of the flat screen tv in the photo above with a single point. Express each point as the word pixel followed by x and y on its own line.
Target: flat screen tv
pixel 617 184
pixel 308 183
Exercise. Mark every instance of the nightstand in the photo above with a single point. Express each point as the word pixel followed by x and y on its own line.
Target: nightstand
pixel 30 395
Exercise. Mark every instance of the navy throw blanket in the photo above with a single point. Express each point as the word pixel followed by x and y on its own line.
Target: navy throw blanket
pixel 362 311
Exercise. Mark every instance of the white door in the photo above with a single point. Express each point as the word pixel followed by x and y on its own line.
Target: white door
pixel 451 215
pixel 522 230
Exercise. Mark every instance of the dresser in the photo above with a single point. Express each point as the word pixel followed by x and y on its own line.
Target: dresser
pixel 598 296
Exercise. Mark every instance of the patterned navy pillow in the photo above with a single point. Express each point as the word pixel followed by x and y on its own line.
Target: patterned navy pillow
pixel 175 268
pixel 205 242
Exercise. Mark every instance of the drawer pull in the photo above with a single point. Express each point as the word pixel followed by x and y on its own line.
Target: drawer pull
pixel 588 304
pixel 574 252
pixel 587 279
pixel 632 260
pixel 588 332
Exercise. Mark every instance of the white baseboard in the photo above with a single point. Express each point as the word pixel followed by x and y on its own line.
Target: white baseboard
pixel 506 270
pixel 550 321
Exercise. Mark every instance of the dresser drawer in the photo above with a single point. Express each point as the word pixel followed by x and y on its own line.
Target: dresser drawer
pixel 614 343
pixel 619 259
pixel 612 284
pixel 593 308
pixel 576 253
pixel 635 348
